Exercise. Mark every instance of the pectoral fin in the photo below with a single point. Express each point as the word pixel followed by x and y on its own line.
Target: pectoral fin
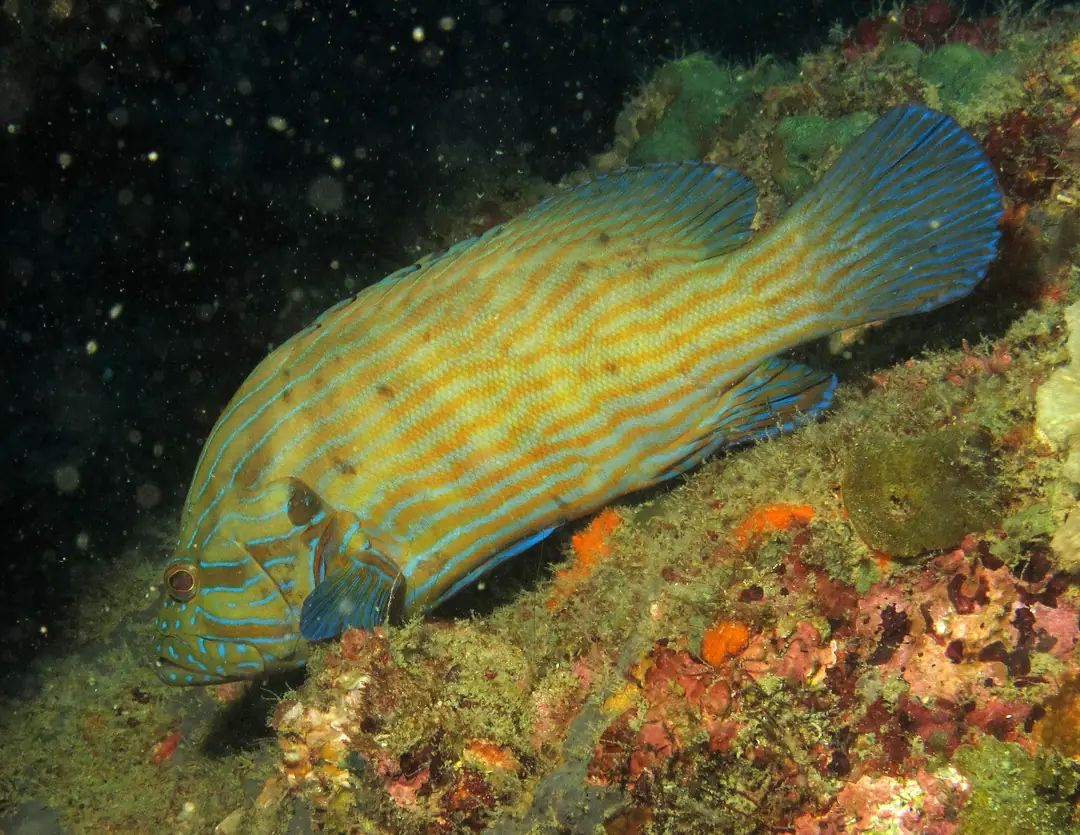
pixel 364 594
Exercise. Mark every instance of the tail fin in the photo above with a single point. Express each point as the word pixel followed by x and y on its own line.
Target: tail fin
pixel 905 221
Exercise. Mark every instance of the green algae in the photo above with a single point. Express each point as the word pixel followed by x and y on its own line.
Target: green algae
pixel 1015 793
pixel 672 140
pixel 702 98
pixel 962 77
pixel 701 94
pixel 807 141
pixel 958 71
pixel 905 53
pixel 486 689
pixel 910 495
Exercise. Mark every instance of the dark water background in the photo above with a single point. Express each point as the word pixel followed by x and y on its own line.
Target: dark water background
pixel 182 186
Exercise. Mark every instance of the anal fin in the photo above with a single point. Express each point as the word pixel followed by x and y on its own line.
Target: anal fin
pixel 775 397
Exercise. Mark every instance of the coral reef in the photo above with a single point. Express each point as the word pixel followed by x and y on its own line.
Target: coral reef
pixel 747 653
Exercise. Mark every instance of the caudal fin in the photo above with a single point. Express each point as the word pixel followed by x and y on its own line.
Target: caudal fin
pixel 905 221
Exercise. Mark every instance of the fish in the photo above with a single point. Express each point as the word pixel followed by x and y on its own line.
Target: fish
pixel 456 413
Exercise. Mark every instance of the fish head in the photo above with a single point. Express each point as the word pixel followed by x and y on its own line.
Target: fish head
pixel 223 624
pixel 224 618
pixel 231 602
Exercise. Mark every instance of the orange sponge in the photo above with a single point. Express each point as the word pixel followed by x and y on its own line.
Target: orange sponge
pixel 723 640
pixel 775 517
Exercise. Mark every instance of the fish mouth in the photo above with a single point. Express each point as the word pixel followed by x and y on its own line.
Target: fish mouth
pixel 206 661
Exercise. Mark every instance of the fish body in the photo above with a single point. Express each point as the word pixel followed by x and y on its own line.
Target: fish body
pixel 445 419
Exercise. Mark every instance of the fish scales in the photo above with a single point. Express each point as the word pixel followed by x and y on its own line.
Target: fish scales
pixel 498 390
pixel 441 421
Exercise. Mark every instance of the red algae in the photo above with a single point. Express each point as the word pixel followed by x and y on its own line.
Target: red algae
pixel 1025 146
pixel 166 749
pixel 927 25
pixel 677 693
pixel 926 804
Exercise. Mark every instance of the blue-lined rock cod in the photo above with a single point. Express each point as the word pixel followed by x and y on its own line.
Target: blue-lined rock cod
pixel 443 420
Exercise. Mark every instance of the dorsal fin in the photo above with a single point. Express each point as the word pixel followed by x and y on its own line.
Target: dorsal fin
pixel 686 204
pixel 692 205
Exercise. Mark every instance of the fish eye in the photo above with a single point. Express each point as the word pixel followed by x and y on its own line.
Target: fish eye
pixel 180 581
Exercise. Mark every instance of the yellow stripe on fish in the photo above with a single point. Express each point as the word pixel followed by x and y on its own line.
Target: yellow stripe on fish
pixel 445 419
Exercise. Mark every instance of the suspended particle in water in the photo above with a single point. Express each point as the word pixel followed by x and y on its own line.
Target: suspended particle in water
pixel 148 495
pixel 431 55
pixel 326 194
pixel 66 478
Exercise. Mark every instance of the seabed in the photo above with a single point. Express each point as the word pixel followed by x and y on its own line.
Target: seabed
pixel 867 626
